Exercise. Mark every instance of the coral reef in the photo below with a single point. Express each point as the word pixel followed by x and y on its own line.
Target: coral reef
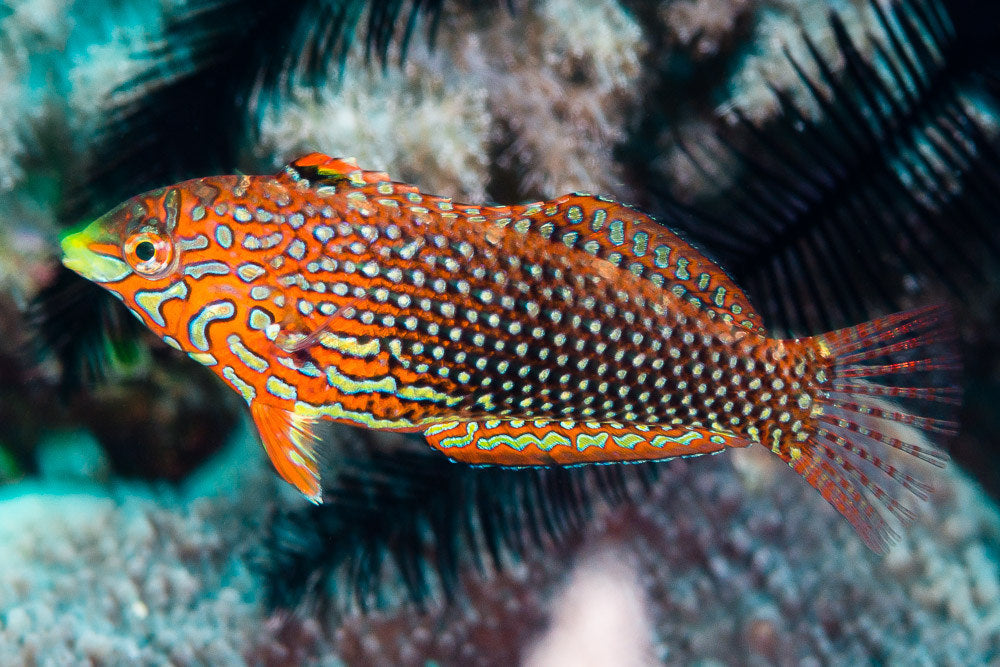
pixel 419 123
pixel 29 31
pixel 703 27
pixel 88 578
pixel 720 562
pixel 563 77
pixel 555 93
pixel 729 559
pixel 126 573
pixel 737 571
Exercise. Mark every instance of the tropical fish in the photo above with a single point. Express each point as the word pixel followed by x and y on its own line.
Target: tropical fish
pixel 564 332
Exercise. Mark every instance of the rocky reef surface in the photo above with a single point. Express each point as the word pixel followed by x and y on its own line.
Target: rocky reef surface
pixel 727 558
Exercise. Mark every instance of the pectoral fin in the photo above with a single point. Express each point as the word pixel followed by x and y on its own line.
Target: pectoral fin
pixel 295 333
pixel 538 443
pixel 290 444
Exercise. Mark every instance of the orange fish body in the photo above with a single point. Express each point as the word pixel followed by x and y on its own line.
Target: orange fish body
pixel 563 332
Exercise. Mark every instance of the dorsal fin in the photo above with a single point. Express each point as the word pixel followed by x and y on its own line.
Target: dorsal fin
pixel 597 225
pixel 319 169
pixel 634 242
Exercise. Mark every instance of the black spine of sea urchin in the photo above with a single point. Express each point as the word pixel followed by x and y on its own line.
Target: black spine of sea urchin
pixel 891 190
pixel 413 517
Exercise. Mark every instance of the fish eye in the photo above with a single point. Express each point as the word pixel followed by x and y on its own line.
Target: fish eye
pixel 148 253
pixel 145 250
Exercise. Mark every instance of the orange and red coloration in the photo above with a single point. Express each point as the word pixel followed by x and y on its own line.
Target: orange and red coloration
pixel 563 332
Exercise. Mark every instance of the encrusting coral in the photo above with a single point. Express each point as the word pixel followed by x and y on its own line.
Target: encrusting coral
pixel 563 89
pixel 555 93
pixel 727 563
pixel 421 122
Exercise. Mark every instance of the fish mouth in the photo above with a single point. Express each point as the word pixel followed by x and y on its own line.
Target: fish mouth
pixel 75 253
pixel 81 254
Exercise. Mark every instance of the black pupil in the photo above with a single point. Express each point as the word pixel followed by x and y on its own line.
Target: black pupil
pixel 145 251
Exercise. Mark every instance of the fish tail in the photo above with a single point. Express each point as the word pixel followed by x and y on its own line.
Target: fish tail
pixel 880 388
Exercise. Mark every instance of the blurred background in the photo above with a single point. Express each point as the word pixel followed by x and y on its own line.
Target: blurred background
pixel 839 158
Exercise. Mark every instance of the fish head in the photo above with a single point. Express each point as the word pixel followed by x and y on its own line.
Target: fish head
pixel 130 240
pixel 142 252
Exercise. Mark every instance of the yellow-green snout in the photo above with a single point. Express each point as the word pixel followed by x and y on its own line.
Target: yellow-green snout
pixel 78 256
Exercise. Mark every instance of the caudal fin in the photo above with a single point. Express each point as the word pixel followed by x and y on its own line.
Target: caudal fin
pixel 885 383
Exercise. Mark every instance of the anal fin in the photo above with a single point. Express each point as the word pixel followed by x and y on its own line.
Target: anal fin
pixel 290 444
pixel 517 443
